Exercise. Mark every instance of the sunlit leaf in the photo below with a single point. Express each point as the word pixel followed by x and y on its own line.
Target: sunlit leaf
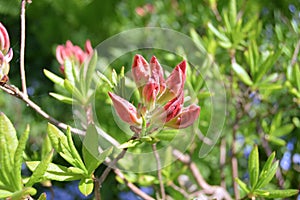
pixel 86 186
pixel 253 167
pixel 242 74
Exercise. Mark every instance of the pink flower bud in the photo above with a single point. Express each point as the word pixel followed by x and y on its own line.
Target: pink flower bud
pixel 140 70
pixel 4 39
pixel 185 118
pixel 125 110
pixel 149 93
pixel 157 74
pixel 88 48
pixel 174 83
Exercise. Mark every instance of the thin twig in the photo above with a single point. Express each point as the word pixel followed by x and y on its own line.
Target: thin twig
pixel 161 183
pixel 216 191
pixel 133 187
pixel 22 49
pixel 180 190
pixel 112 164
pixel 223 161
pixel 16 93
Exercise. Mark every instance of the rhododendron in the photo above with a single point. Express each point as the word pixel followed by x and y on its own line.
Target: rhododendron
pixel 73 53
pixel 6 54
pixel 161 100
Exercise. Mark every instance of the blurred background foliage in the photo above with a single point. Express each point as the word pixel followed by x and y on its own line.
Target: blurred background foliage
pixel 51 22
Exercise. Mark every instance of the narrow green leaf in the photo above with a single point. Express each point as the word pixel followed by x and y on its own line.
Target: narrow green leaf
pixel 68 69
pixel 265 170
pixel 90 150
pixel 104 79
pixel 46 147
pixel 8 131
pixel 283 130
pixel 268 175
pixel 18 158
pixel 242 74
pixel 218 34
pixel 276 193
pixel 74 151
pixel 166 135
pixel 253 167
pixel 56 136
pixel 37 174
pixel 129 144
pixel 276 140
pixel 62 98
pixel 91 69
pixel 5 193
pixel 58 172
pixel 4 162
pixel 23 193
pixel 196 39
pixel 73 90
pixel 243 185
pixel 86 186
pixel 114 77
pixel 297 75
pixel 232 11
pixel 54 78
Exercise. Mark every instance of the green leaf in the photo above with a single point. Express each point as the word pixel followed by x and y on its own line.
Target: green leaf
pixel 91 69
pixel 90 150
pixel 253 167
pixel 242 185
pixel 37 174
pixel 58 172
pixel 8 131
pixel 218 34
pixel 56 137
pixel 232 11
pixel 46 147
pixel 23 193
pixel 297 75
pixel 275 140
pixel 54 78
pixel 283 130
pixel 73 90
pixel 68 69
pixel 268 175
pixel 130 144
pixel 276 193
pixel 18 158
pixel 114 77
pixel 166 135
pixel 5 193
pixel 104 79
pixel 242 74
pixel 265 170
pixel 63 98
pixel 86 186
pixel 74 152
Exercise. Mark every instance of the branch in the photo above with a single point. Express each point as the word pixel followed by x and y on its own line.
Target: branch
pixel 295 54
pixel 161 184
pixel 14 91
pixel 22 48
pixel 216 192
pixel 133 187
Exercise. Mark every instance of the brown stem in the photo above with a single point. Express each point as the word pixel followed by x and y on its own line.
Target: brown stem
pixel 16 93
pixel 22 48
pixel 132 187
pixel 217 191
pixel 223 161
pixel 234 163
pixel 161 183
pixel 295 54
pixel 180 190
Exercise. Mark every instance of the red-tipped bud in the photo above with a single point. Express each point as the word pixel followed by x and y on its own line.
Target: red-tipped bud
pixel 185 118
pixel 88 48
pixel 149 93
pixel 125 110
pixel 157 74
pixel 4 39
pixel 140 70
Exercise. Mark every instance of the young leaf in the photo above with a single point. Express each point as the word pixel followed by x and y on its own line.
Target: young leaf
pixel 56 137
pixel 91 69
pixel 104 79
pixel 90 150
pixel 54 78
pixel 5 193
pixel 73 90
pixel 58 172
pixel 74 151
pixel 217 33
pixel 40 170
pixel 242 185
pixel 46 147
pixel 265 170
pixel 43 196
pixel 242 74
pixel 23 193
pixel 129 144
pixel 283 130
pixel 276 193
pixel 86 186
pixel 68 69
pixel 253 167
pixel 62 98
pixel 18 158
pixel 8 131
pixel 268 175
